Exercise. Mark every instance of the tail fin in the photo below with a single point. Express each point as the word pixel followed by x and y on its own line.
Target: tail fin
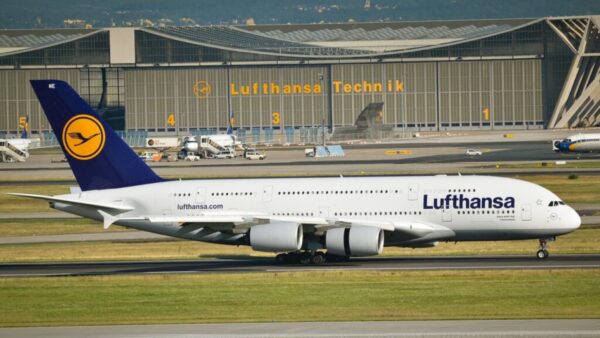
pixel 99 158
pixel 230 123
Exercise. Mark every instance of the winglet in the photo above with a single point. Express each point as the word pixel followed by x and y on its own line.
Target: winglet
pixel 108 219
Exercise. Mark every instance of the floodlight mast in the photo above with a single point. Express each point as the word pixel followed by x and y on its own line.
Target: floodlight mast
pixel 321 78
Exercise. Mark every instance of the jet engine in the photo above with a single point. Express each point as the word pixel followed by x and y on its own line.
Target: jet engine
pixel 356 241
pixel 190 144
pixel 276 237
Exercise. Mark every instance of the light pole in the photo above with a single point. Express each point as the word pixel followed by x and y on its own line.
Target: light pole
pixel 321 78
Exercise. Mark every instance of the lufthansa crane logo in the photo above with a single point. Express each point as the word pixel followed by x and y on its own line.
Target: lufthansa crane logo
pixel 201 89
pixel 83 137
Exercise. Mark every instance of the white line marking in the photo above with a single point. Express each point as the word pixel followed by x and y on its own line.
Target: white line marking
pixel 488 267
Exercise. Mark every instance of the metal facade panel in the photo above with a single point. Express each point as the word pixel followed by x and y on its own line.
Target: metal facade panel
pixel 17 99
pixel 278 97
pixel 197 98
pixel 258 97
pixel 406 89
pixel 483 93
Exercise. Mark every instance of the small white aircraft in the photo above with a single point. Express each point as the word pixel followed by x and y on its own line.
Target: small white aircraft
pixel 580 143
pixel 298 218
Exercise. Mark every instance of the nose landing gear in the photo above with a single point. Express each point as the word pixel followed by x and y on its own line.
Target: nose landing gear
pixel 543 253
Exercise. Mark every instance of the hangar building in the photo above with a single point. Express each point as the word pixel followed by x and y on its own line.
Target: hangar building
pixel 282 82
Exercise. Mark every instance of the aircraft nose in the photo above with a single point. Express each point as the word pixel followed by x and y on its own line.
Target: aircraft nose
pixel 572 220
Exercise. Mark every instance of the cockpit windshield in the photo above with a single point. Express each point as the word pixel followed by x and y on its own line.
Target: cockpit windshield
pixel 555 203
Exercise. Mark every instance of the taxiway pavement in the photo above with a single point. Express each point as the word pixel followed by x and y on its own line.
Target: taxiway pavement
pixel 441 328
pixel 255 264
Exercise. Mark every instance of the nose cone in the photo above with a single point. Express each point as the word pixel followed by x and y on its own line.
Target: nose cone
pixel 571 220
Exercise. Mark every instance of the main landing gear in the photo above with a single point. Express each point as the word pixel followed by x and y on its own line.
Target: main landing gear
pixel 307 257
pixel 542 253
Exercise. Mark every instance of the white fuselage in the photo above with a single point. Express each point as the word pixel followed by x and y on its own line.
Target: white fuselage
pixel 473 207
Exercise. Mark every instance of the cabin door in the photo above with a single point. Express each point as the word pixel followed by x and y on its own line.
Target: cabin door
pixel 526 212
pixel 323 212
pixel 447 215
pixel 413 192
pixel 267 193
pixel 200 195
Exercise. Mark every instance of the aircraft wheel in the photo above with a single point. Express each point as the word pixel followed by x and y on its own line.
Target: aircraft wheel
pixel 281 258
pixel 318 258
pixel 305 258
pixel 542 254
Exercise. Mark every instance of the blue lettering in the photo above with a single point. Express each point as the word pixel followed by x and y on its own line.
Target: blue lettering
pixel 509 202
pixel 462 202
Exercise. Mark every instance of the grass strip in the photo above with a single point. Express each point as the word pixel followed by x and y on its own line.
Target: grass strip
pixel 583 241
pixel 583 189
pixel 52 226
pixel 300 296
pixel 16 204
pixel 571 163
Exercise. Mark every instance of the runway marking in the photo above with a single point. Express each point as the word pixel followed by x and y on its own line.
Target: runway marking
pixel 484 267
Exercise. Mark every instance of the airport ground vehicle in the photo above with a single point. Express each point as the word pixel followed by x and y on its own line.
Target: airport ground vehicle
pixel 225 153
pixel 473 152
pixel 191 157
pixel 14 150
pixel 298 218
pixel 253 154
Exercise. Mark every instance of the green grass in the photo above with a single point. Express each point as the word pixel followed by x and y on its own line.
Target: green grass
pixel 583 241
pixel 301 296
pixel 52 226
pixel 571 164
pixel 10 203
pixel 584 189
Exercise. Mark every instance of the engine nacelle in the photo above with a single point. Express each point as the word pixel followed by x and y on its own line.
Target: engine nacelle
pixel 355 241
pixel 189 146
pixel 276 237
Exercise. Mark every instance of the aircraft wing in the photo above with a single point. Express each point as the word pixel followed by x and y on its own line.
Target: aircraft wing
pixel 241 221
pixel 422 231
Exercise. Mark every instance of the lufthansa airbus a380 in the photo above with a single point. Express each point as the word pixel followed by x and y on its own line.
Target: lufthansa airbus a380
pixel 299 218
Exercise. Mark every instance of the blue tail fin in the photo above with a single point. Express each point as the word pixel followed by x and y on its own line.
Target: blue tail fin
pixel 99 158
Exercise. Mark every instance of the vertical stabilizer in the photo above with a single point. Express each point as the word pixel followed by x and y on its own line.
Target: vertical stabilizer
pixel 99 158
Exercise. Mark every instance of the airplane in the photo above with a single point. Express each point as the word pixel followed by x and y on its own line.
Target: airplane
pixel 297 218
pixel 579 143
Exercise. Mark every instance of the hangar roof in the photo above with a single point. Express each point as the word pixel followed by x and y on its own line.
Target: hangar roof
pixel 16 40
pixel 345 40
pixel 240 39
pixel 388 36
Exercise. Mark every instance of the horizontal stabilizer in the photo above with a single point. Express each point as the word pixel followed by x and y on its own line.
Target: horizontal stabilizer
pixel 105 206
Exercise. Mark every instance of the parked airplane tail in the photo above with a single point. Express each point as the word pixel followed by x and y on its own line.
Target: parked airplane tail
pixel 99 158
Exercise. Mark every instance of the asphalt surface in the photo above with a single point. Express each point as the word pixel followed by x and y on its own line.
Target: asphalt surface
pixel 252 264
pixel 492 152
pixel 449 328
